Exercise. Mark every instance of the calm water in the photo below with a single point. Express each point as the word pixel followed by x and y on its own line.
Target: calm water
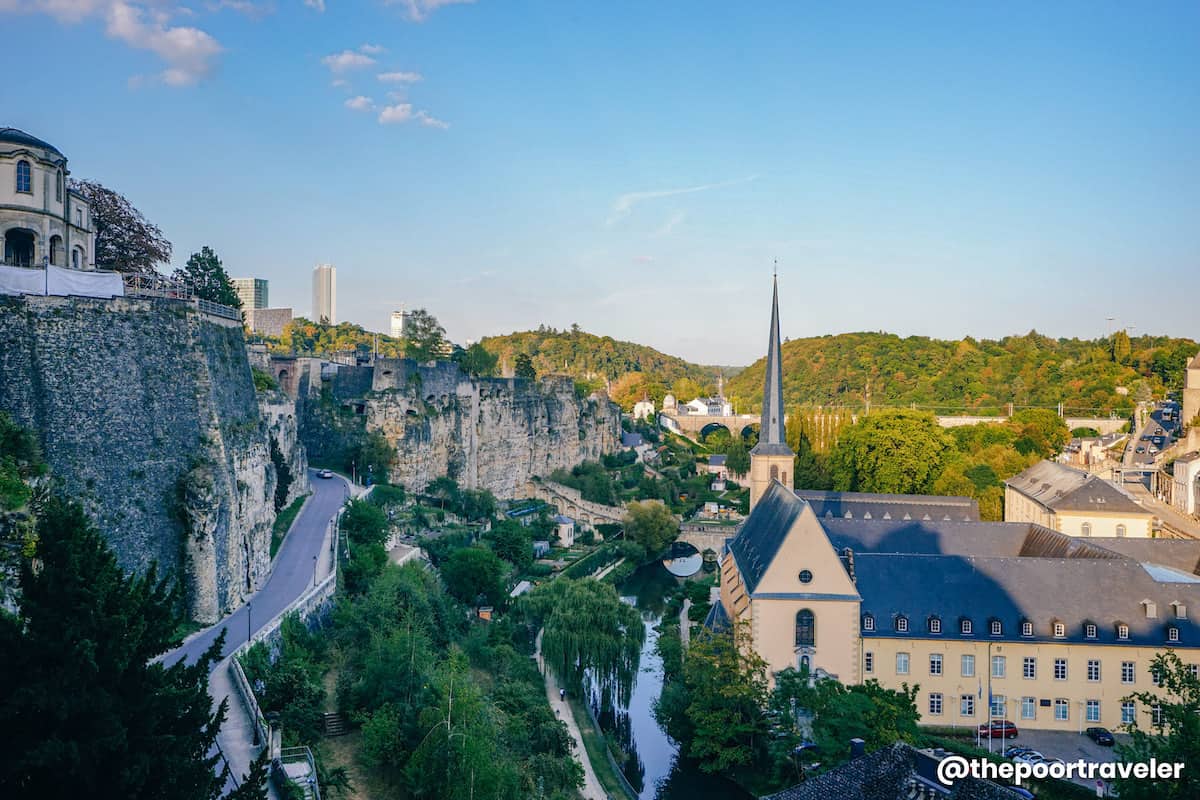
pixel 658 773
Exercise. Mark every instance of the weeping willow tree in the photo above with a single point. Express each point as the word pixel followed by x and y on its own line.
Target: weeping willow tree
pixel 587 630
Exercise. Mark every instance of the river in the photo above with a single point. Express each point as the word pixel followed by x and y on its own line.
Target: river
pixel 663 774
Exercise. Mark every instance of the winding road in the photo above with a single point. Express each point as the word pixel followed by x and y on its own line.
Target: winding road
pixel 305 553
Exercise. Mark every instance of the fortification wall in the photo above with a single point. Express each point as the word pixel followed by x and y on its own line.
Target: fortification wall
pixel 147 415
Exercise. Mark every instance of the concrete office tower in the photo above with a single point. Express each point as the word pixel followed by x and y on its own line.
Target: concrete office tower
pixel 399 323
pixel 324 294
pixel 251 291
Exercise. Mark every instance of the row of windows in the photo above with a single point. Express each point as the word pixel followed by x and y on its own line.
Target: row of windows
pixel 25 180
pixel 966 627
pixel 1029 705
pixel 1086 529
pixel 1029 667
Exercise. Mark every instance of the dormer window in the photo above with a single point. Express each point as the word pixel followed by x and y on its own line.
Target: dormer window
pixel 1123 631
pixel 868 622
pixel 964 627
pixel 1089 630
pixel 1060 630
pixel 935 625
pixel 1172 634
pixel 1180 610
pixel 997 628
pixel 24 177
pixel 1151 608
pixel 1085 529
pixel 902 624
pixel 1027 628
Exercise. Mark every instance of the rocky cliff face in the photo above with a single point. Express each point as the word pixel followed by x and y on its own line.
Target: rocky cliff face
pixel 147 415
pixel 489 434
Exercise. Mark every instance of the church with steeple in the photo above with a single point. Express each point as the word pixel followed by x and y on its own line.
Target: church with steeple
pixel 771 459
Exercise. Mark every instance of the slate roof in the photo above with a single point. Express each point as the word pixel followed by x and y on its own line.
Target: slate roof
pixel 563 520
pixel 1181 554
pixel 1074 591
pixel 954 538
pixel 717 460
pixel 893 772
pixel 631 439
pixel 18 136
pixel 772 440
pixel 864 505
pixel 763 532
pixel 1062 488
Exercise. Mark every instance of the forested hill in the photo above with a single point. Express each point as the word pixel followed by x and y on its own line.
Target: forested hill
pixel 972 374
pixel 588 357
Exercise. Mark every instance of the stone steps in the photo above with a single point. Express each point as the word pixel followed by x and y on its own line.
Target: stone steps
pixel 335 723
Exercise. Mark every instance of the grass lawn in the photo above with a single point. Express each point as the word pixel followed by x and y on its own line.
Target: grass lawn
pixel 283 521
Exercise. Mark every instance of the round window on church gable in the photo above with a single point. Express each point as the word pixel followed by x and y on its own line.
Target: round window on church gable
pixel 805 576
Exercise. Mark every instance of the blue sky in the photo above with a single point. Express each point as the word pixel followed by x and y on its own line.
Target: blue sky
pixel 926 168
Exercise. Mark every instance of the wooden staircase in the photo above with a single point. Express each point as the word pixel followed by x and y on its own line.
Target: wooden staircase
pixel 335 723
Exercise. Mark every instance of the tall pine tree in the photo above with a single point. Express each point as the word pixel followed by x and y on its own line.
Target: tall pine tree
pixel 83 710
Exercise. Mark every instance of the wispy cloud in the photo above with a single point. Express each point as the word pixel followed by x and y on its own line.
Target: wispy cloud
pixel 400 113
pixel 399 77
pixel 248 8
pixel 372 49
pixel 316 5
pixel 346 61
pixel 624 204
pixel 672 221
pixel 419 10
pixel 360 103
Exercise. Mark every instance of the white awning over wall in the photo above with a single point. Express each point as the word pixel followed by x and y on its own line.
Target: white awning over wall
pixel 62 282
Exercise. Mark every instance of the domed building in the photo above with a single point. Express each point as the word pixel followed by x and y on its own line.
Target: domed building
pixel 41 219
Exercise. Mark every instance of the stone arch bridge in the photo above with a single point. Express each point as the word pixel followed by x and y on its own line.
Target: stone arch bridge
pixel 570 502
pixel 706 537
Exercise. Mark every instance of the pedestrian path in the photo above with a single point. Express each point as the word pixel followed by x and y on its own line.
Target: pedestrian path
pixel 592 790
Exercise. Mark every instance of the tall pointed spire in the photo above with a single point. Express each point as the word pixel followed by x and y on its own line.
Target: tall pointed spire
pixel 772 438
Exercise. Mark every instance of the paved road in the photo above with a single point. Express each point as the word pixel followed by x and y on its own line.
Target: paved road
pixel 592 789
pixel 291 575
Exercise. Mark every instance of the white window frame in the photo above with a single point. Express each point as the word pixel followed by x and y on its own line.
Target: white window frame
pixel 997 628
pixel 966 705
pixel 1029 668
pixel 966 628
pixel 935 625
pixel 1089 630
pixel 1128 672
pixel 1060 630
pixel 902 624
pixel 1060 669
pixel 868 623
pixel 935 664
pixel 906 662
pixel 1093 668
pixel 1028 708
pixel 966 665
pixel 935 703
pixel 1002 663
pixel 1123 632
pixel 868 662
pixel 1027 629
pixel 1128 712
pixel 1091 711
pixel 1062 710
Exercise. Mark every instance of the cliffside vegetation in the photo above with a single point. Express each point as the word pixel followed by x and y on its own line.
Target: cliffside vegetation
pixel 970 375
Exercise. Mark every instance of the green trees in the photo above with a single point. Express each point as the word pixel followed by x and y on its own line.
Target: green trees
pixel 424 336
pixel 374 457
pixel 591 479
pixel 894 451
pixel 587 629
pixel 20 460
pixel 208 279
pixel 726 686
pixel 125 240
pixel 474 574
pixel 476 361
pixel 1174 736
pixel 1039 431
pixel 523 367
pixel 737 458
pixel 365 527
pixel 512 542
pixel 82 708
pixel 651 526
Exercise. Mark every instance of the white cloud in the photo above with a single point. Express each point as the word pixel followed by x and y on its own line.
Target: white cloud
pixel 317 5
pixel 188 52
pixel 399 77
pixel 340 83
pixel 668 226
pixel 346 61
pixel 372 49
pixel 624 204
pixel 419 10
pixel 249 8
pixel 360 103
pixel 400 113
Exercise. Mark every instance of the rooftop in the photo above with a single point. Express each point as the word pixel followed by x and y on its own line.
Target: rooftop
pixel 18 136
pixel 865 505
pixel 1062 488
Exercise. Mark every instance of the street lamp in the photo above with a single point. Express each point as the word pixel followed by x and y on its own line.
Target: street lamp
pixel 314 572
pixel 249 608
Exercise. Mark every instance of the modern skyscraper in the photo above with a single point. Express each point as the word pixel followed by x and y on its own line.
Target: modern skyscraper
pixel 324 294
pixel 771 459
pixel 399 323
pixel 251 291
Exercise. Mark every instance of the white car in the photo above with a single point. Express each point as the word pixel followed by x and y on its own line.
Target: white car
pixel 325 473
pixel 1030 757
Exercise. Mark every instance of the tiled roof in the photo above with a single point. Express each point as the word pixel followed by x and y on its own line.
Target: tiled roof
pixel 763 532
pixel 716 461
pixel 865 505
pixel 1062 488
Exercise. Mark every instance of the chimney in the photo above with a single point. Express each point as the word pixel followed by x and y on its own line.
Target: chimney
pixel 858 748
pixel 848 563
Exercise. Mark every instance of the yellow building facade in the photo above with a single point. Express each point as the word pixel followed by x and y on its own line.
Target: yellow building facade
pixel 1074 502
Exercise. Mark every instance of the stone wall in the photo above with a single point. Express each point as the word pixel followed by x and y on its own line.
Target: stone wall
pixel 147 415
pixel 485 433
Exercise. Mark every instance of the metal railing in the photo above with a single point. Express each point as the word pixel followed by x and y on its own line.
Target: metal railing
pixel 147 285
pixel 298 755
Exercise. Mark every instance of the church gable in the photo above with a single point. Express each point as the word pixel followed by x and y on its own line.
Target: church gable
pixel 806 563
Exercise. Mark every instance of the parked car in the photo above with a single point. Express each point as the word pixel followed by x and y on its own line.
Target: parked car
pixel 1140 450
pixel 1030 757
pixel 1014 751
pixel 1100 736
pixel 998 729
pixel 325 473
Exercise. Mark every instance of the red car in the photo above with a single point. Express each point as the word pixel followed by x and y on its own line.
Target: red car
pixel 998 729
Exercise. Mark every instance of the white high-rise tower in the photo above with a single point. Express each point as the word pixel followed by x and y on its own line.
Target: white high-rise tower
pixel 324 294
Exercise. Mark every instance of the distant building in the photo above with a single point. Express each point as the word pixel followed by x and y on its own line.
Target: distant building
pixel 1075 502
pixel 1185 494
pixel 267 321
pixel 716 466
pixel 565 528
pixel 324 294
pixel 399 323
pixel 709 407
pixel 41 219
pixel 1191 391
pixel 643 409
pixel 252 292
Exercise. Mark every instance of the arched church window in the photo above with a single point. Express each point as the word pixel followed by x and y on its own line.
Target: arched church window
pixel 58 187
pixel 774 472
pixel 806 628
pixel 24 177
